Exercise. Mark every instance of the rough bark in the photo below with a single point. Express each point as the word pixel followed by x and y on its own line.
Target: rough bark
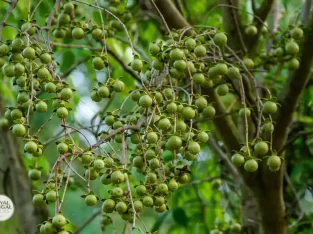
pixel 15 184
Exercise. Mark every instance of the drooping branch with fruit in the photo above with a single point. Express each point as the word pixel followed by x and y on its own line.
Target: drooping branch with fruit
pixel 177 93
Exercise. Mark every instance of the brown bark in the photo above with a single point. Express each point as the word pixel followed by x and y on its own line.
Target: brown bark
pixel 15 184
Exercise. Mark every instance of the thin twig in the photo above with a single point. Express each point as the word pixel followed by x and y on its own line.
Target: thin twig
pixel 6 16
pixel 85 224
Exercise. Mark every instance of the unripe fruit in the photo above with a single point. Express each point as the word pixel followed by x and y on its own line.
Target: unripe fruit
pixel 279 52
pixel 98 164
pixel 4 50
pixel 43 74
pixel 171 107
pixel 183 179
pixel 208 112
pixel 49 228
pixel 68 7
pixel 160 209
pixel 117 177
pixel 19 69
pixel 137 65
pixel 147 201
pixel 237 160
pixel 270 107
pixel 198 78
pixel 233 73
pixel 62 148
pixel 261 148
pixel 4 123
pixel 50 87
pixel 91 200
pixel 220 39
pixel 27 27
pixel 292 48
pixel 244 112
pixel 201 103
pixel 138 206
pixel 151 177
pixel 200 51
pixel 194 147
pixel 188 113
pixel 154 49
pixel 34 174
pixel 162 188
pixel 41 107
pixel 268 127
pixel 29 53
pixel 145 101
pixel 38 200
pixel 164 124
pixel 248 63
pixel 19 130
pixel 251 165
pixel 141 190
pixel 293 64
pixel 221 69
pixel 62 112
pixel 66 94
pixel 174 143
pixel 176 54
pixel 152 138
pixel 235 228
pixel 30 147
pixel 51 196
pixel 98 63
pixel 45 58
pixel 59 221
pixel 16 114
pixel 9 70
pixel 78 33
pixel 180 65
pixel 103 92
pixel 118 86
pixel 251 30
pixel 202 137
pixel 296 33
pixel 121 207
pixel 190 43
pixel 222 89
pixel 108 206
pixel 63 19
pixel 59 33
pixel 274 162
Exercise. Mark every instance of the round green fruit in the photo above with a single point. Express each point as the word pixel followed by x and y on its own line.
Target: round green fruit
pixel 251 165
pixel 34 174
pixel 222 89
pixel 59 221
pixel 293 64
pixel 118 86
pixel 137 65
pixel 220 39
pixel 190 44
pixel 66 94
pixel 292 48
pixel 200 51
pixel 41 107
pixel 251 30
pixel 62 148
pixel 78 33
pixel 274 162
pixel 261 148
pixel 269 107
pixel 62 112
pixel 30 147
pixel 117 177
pixel 188 113
pixel 91 200
pixel 176 54
pixel 296 33
pixel 208 112
pixel 98 63
pixel 145 101
pixel 238 160
pixel 19 130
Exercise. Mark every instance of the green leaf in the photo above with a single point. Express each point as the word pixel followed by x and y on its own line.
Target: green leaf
pixel 180 216
pixel 68 59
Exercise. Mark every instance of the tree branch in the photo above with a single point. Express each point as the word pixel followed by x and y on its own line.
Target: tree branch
pixel 6 16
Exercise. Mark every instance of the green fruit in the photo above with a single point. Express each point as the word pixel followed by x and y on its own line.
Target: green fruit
pixel 118 86
pixel 68 7
pixel 117 124
pixel 109 120
pixel 269 107
pixel 98 164
pixel 158 65
pixel 171 107
pixel 138 162
pixel 29 53
pixel 98 63
pixel 168 93
pixel 138 206
pixel 117 192
pixel 87 157
pixel 27 27
pixel 292 48
pixel 121 207
pixel 151 177
pixel 16 114
pixel 190 67
pixel 201 103
pixel 176 54
pixel 296 33
pixel 208 112
pixel 145 101
pixel 251 165
pixel 152 138
pixel 30 147
pixel 164 124
pixel 16 57
pixel 293 64
pixel 103 92
pixel 202 137
pixel 62 148
pixel 235 228
pixel 244 112
pixel 183 179
pixel 268 127
pixel 9 70
pixel 188 113
pixel 220 39
pixel 279 52
pixel 238 160
pixel 194 147
pixel 78 33
pixel 248 63
pixel 59 221
pixel 221 69
pixel 38 200
pixel 190 44
pixel 233 73
pixel 222 89
pixel 172 185
pixel 2 62
pixel 59 33
pixel 160 209
pixel 45 58
pixel 137 65
pixel 251 30
pixel 117 177
pixel 50 87
pixel 162 188
pixel 91 200
pixel 198 78
pixel 43 74
pixel 141 190
pixel 19 130
pixel 16 45
pixel 34 174
pixel 4 123
pixel 19 69
pixel 180 65
pixel 49 228
pixel 94 96
pixel 154 163
pixel 4 50
pixel 274 162
pixel 147 201
pixel 108 206
pixel 66 94
pixel 91 174
pixel 200 51
pixel 63 19
pixel 261 148
pixel 51 196
pixel 41 107
pixel 159 201
pixel 62 112
pixel 97 34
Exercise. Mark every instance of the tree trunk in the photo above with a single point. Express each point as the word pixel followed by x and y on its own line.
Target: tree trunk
pixel 14 183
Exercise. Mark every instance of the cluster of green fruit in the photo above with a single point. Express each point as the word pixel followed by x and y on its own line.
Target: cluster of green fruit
pixel 234 228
